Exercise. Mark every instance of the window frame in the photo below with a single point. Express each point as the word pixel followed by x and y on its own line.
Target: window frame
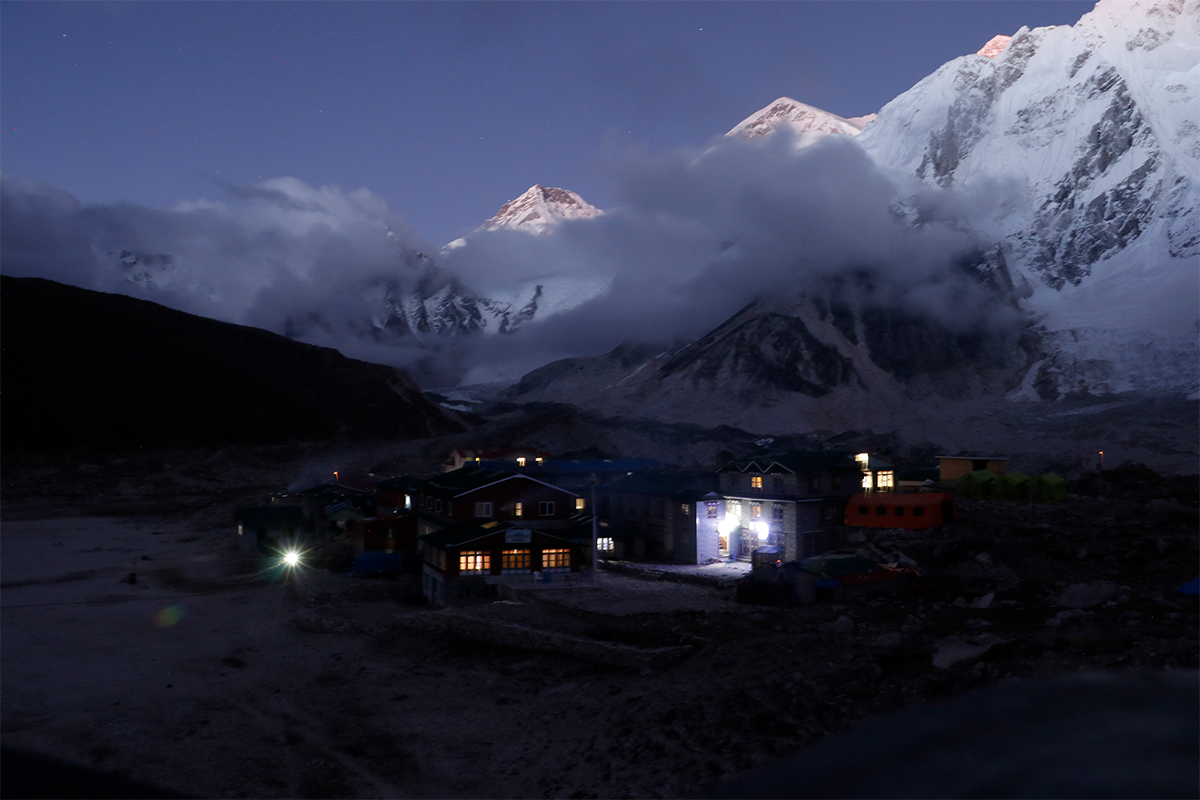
pixel 516 561
pixel 560 558
pixel 483 509
pixel 546 508
pixel 481 558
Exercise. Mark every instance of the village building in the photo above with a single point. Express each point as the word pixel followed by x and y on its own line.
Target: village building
pixel 792 500
pixel 390 534
pixel 478 561
pixel 394 495
pixel 580 474
pixel 272 529
pixel 912 510
pixel 672 516
pixel 328 507
pixel 387 543
pixel 477 494
pixel 951 468
pixel 499 458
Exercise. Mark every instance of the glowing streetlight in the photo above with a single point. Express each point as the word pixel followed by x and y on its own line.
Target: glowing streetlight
pixel 291 558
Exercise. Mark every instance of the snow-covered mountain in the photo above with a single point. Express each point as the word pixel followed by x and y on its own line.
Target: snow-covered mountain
pixel 539 209
pixel 1079 146
pixel 801 118
pixel 445 307
pixel 1072 154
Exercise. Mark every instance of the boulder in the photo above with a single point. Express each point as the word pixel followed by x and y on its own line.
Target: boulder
pixel 952 652
pixel 889 640
pixel 983 602
pixel 1086 595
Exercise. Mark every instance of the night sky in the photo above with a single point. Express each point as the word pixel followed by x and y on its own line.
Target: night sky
pixel 444 110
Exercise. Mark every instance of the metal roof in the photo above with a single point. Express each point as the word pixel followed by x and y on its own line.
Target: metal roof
pixel 467 532
pixel 472 478
pixel 978 458
pixel 794 461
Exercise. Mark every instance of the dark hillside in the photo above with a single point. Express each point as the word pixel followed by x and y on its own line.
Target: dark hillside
pixel 84 369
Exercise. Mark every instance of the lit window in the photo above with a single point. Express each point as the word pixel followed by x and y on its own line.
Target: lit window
pixel 521 461
pixel 777 513
pixel 866 482
pixel 710 510
pixel 684 508
pixel 474 562
pixel 546 508
pixel 556 560
pixel 885 480
pixel 514 561
pixel 518 509
pixel 538 460
pixel 483 509
pixel 755 511
pixel 579 504
pixel 604 544
pixel 756 482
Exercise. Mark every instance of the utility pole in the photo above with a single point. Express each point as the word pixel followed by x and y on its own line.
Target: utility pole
pixel 592 480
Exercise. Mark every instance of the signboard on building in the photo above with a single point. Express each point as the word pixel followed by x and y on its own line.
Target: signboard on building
pixel 518 536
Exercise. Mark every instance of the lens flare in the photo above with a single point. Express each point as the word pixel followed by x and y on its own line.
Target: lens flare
pixel 168 616
pixel 291 558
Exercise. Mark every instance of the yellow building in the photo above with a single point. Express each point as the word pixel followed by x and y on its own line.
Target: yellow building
pixel 951 468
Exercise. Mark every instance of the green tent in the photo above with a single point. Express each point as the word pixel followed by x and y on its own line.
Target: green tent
pixel 1012 486
pixel 1049 487
pixel 977 484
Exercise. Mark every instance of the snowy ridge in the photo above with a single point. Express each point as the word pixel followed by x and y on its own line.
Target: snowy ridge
pixel 800 118
pixel 1088 138
pixel 994 47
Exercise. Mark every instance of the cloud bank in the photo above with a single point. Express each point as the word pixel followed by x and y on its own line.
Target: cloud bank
pixel 697 235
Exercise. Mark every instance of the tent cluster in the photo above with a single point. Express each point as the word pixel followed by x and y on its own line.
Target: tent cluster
pixel 984 484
